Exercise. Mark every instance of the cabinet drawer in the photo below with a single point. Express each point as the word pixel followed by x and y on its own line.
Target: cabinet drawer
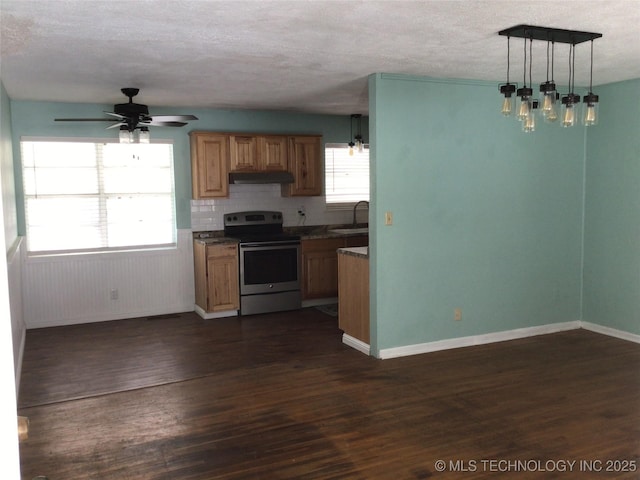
pixel 222 250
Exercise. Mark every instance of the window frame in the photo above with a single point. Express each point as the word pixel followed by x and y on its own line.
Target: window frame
pixel 151 247
pixel 336 206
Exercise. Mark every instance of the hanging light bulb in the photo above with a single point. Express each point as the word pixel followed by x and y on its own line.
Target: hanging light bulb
pixel 529 122
pixel 570 100
pixel 351 142
pixel 569 110
pixel 525 93
pixel 508 89
pixel 548 93
pixel 590 115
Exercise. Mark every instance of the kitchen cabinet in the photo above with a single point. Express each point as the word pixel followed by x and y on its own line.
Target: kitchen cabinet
pixel 272 153
pixel 209 165
pixel 243 153
pixel 305 163
pixel 216 276
pixel 320 265
pixel 258 153
pixel 214 155
pixel 353 295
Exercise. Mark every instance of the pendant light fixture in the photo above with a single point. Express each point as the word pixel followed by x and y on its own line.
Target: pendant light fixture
pixel 351 143
pixel 524 93
pixel 571 100
pixel 507 89
pixel 356 142
pixel 548 93
pixel 547 105
pixel 590 114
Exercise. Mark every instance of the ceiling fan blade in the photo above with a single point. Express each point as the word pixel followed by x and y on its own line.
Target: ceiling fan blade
pixel 117 115
pixel 154 123
pixel 119 124
pixel 173 118
pixel 86 119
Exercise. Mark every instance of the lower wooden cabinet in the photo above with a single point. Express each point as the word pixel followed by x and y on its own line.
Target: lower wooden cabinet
pixel 216 277
pixel 353 296
pixel 320 265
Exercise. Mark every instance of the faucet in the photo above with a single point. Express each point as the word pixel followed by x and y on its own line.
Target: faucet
pixel 354 210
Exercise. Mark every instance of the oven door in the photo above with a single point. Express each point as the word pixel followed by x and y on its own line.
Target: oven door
pixel 269 267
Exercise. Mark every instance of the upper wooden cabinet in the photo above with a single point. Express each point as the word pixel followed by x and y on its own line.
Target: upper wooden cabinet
pixel 243 153
pixel 214 155
pixel 209 165
pixel 272 153
pixel 305 162
pixel 258 153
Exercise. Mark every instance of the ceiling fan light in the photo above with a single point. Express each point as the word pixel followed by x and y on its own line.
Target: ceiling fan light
pixel 125 135
pixel 143 135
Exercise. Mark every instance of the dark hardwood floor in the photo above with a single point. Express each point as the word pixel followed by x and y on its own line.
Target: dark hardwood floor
pixel 279 397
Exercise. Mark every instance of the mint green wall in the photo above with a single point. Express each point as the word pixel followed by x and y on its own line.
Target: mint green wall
pixel 612 211
pixel 36 119
pixel 486 218
pixel 6 171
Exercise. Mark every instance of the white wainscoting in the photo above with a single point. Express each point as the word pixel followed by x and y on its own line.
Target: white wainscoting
pixel 15 258
pixel 70 289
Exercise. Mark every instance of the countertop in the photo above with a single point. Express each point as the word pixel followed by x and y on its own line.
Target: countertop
pixel 361 252
pixel 306 233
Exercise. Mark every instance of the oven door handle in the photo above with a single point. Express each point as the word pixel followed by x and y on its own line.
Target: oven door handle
pixel 269 244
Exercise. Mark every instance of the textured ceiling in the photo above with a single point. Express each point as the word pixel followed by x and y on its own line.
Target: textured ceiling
pixel 308 56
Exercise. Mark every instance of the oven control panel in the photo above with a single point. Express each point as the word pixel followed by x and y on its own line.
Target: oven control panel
pixel 258 217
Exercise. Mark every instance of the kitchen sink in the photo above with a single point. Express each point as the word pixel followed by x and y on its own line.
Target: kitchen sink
pixel 347 231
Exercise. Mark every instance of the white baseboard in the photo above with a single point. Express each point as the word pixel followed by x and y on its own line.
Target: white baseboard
pixel 611 332
pixel 210 315
pixel 477 340
pixel 355 343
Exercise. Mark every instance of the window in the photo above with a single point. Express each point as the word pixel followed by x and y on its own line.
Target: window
pixel 85 196
pixel 346 176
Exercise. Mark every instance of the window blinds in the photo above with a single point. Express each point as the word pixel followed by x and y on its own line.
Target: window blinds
pixel 97 196
pixel 346 176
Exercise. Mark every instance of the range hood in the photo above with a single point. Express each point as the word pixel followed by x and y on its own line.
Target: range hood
pixel 260 177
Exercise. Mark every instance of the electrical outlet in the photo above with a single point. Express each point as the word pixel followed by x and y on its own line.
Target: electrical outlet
pixel 114 294
pixel 301 211
pixel 457 314
pixel 388 218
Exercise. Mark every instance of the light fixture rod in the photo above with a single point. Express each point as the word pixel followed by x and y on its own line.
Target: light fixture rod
pixel 509 56
pixel 524 65
pixel 591 69
pixel 553 54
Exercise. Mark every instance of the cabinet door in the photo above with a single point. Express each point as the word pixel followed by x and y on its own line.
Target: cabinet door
pixel 272 153
pixel 209 165
pixel 244 153
pixel 320 268
pixel 223 291
pixel 305 162
pixel 358 241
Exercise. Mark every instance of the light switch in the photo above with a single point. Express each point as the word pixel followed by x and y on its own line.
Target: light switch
pixel 388 218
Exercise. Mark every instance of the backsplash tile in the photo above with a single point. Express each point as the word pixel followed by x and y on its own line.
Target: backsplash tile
pixel 208 214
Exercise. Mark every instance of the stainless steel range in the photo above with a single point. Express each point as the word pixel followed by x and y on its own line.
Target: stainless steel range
pixel 269 262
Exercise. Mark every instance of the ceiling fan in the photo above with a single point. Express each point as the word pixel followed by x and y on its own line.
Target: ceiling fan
pixel 134 116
